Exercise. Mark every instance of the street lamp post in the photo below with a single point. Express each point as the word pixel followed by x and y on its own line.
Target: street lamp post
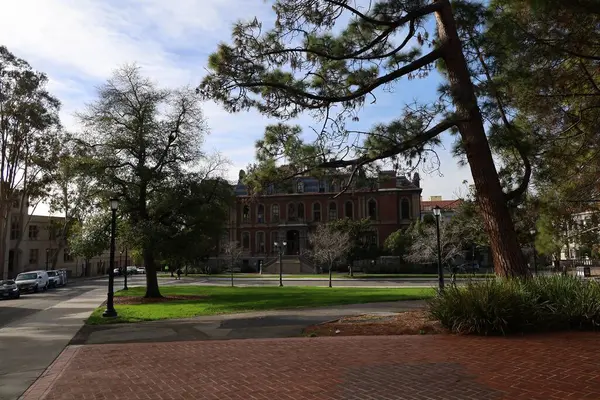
pixel 533 232
pixel 47 257
pixel 280 247
pixel 437 211
pixel 110 307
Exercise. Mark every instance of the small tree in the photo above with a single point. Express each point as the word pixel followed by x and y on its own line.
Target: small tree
pixel 234 251
pixel 90 239
pixel 423 248
pixel 329 246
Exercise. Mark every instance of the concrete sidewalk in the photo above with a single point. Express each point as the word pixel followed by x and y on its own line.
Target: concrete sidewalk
pixel 29 345
pixel 265 324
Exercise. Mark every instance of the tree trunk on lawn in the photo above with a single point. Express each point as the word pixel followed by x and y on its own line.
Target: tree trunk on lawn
pixel 152 290
pixel 506 252
pixel 330 268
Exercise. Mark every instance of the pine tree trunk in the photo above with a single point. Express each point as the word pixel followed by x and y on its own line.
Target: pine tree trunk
pixel 506 252
pixel 152 290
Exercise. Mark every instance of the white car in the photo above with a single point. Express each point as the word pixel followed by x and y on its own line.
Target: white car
pixel 33 281
pixel 141 270
pixel 53 278
pixel 132 269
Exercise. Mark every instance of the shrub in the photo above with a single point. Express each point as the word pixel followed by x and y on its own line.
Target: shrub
pixel 500 306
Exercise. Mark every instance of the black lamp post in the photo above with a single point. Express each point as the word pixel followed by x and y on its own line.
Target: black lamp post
pixel 110 307
pixel 47 257
pixel 437 211
pixel 280 247
pixel 533 232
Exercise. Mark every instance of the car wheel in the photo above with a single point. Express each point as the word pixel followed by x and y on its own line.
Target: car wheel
pixel 18 295
pixel 45 287
pixel 36 289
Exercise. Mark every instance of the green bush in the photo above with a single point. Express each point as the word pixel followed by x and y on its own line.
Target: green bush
pixel 500 306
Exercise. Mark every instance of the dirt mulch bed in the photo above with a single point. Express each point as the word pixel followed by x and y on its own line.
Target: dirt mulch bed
pixel 405 323
pixel 130 300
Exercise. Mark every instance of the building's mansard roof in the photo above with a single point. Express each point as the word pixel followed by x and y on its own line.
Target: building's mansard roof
pixel 308 185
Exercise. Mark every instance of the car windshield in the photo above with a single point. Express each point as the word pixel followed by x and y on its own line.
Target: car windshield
pixel 24 277
pixel 51 273
pixel 4 283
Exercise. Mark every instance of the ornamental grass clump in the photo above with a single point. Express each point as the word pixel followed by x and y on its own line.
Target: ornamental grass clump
pixel 508 306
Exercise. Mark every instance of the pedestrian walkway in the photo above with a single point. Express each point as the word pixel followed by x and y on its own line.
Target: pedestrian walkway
pixel 28 346
pixel 264 324
pixel 563 366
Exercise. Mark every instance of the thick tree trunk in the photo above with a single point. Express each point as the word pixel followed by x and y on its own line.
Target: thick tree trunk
pixel 506 252
pixel 152 290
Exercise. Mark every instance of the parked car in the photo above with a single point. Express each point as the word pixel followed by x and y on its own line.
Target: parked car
pixel 132 269
pixel 117 271
pixel 141 270
pixel 64 278
pixel 9 290
pixel 33 281
pixel 53 279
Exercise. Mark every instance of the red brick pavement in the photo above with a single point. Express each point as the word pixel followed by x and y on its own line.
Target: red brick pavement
pixel 564 366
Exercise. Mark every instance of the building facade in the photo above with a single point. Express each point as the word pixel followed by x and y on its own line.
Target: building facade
pixel 32 244
pixel 257 223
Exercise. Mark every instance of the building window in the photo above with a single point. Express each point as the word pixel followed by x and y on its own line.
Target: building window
pixel 260 214
pixel 405 209
pixel 321 187
pixel 332 186
pixel 67 256
pixel 372 209
pixel 291 215
pixel 34 256
pixel 274 238
pixel 246 240
pixel 349 211
pixel 260 242
pixel 371 238
pixel 301 210
pixel 33 232
pixel 246 213
pixel 300 187
pixel 317 212
pixel 332 211
pixel 275 213
pixel 15 228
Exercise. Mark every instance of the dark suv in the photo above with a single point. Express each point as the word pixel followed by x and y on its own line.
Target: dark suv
pixel 9 290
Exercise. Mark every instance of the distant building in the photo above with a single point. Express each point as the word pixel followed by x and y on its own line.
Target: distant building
pixel 448 207
pixel 37 244
pixel 391 202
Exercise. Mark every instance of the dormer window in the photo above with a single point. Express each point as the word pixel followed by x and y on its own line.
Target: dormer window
pixel 300 187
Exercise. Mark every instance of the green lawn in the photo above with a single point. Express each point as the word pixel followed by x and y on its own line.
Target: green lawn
pixel 226 300
pixel 335 276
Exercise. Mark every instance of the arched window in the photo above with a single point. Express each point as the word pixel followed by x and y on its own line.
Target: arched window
pixel 291 212
pixel 246 213
pixel 301 210
pixel 246 240
pixel 349 210
pixel 405 208
pixel 260 242
pixel 317 212
pixel 274 238
pixel 260 214
pixel 275 213
pixel 332 211
pixel 372 209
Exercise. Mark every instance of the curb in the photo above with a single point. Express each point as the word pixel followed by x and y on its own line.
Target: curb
pixel 42 386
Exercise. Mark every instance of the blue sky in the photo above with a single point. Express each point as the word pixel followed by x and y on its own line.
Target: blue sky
pixel 78 43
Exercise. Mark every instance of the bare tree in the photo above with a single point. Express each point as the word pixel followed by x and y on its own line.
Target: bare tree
pixel 329 246
pixel 424 249
pixel 234 251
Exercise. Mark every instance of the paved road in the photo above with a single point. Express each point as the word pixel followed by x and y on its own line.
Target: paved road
pixel 406 282
pixel 35 329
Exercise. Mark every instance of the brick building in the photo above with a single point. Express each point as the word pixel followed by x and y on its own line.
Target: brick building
pixel 290 216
